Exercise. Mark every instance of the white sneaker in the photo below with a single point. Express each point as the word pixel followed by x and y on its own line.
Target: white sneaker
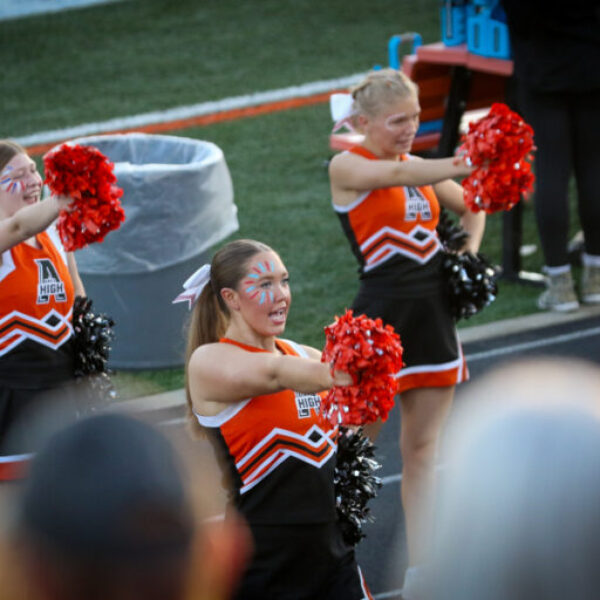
pixel 590 284
pixel 559 294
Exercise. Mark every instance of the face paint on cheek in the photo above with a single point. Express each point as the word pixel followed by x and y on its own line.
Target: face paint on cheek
pixel 257 271
pixel 250 288
pixel 253 292
pixel 264 295
pixel 8 184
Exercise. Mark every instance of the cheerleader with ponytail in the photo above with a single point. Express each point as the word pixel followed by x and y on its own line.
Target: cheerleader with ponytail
pixel 257 396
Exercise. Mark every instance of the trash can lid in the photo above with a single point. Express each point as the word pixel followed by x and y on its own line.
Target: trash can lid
pixel 177 197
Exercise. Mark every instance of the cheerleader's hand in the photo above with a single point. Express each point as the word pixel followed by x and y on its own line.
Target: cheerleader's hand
pixel 63 202
pixel 464 164
pixel 341 379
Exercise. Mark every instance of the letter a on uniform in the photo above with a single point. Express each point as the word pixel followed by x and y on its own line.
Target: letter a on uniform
pixel 416 205
pixel 49 283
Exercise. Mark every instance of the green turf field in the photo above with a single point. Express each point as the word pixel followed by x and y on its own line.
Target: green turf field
pixel 120 59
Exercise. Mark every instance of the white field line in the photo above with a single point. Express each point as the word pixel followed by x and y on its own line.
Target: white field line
pixel 384 595
pixel 16 9
pixel 391 479
pixel 190 111
pixel 534 344
pixel 15 458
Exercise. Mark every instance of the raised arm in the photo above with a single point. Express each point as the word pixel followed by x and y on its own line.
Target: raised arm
pixel 30 220
pixel 223 373
pixel 353 173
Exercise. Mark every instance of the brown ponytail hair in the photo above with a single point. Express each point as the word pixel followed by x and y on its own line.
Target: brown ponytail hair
pixel 8 150
pixel 210 315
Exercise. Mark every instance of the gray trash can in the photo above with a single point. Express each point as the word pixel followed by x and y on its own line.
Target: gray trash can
pixel 178 202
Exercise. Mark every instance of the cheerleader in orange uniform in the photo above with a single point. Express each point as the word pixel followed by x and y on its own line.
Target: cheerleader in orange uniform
pixel 38 282
pixel 258 398
pixel 388 203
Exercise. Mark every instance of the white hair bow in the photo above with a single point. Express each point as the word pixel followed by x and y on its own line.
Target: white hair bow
pixel 342 108
pixel 194 285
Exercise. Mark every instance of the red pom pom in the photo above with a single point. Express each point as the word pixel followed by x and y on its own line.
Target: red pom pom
pixel 372 354
pixel 499 145
pixel 86 175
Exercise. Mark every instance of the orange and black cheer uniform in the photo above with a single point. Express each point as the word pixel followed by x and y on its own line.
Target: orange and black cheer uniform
pixel 280 457
pixel 392 232
pixel 36 305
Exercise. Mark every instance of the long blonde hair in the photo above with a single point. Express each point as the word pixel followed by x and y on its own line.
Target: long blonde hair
pixel 210 316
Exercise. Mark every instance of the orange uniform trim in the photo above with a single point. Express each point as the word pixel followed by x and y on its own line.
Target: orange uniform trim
pixel 454 374
pixel 394 220
pixel 36 296
pixel 300 433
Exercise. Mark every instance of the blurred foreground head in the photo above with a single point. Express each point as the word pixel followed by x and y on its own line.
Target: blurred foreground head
pixel 104 513
pixel 519 504
pixel 108 511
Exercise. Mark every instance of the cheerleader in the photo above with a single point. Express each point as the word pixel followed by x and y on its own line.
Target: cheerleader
pixel 257 397
pixel 388 202
pixel 38 284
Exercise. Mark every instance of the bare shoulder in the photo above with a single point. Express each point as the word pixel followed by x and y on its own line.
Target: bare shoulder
pixel 216 361
pixel 206 356
pixel 342 176
pixel 344 160
pixel 205 378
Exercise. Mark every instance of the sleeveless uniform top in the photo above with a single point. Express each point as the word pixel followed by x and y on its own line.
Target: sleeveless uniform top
pixel 279 454
pixel 392 232
pixel 36 305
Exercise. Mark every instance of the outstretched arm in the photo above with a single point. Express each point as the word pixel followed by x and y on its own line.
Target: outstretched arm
pixel 30 220
pixel 224 373
pixel 350 172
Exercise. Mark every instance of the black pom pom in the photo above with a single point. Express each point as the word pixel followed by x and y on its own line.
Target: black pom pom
pixel 452 235
pixel 354 482
pixel 472 283
pixel 92 336
pixel 472 279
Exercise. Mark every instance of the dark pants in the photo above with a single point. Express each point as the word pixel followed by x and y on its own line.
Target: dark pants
pixel 566 126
